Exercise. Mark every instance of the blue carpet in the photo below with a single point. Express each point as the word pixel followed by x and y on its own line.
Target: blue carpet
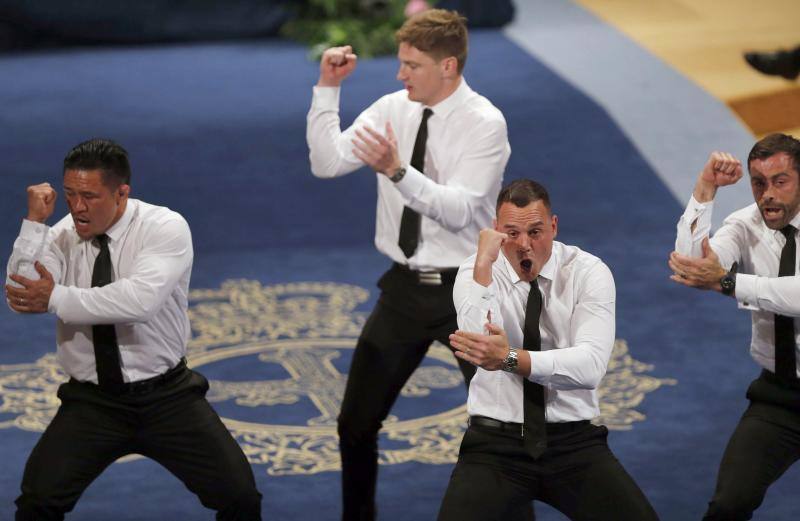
pixel 217 132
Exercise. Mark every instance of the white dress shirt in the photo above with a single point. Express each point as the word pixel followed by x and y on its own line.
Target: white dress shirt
pixel 466 152
pixel 576 325
pixel 744 238
pixel 151 253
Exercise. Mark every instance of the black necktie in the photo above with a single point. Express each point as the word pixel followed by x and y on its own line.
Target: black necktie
pixel 106 350
pixel 785 365
pixel 411 221
pixel 534 436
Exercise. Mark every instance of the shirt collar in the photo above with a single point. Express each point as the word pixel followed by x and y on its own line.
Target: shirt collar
pixel 796 222
pixel 118 228
pixel 443 109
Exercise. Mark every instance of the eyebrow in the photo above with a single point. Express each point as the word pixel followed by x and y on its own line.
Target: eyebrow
pixel 534 225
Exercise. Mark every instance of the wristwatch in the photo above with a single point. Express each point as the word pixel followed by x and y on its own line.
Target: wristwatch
pixel 511 362
pixel 398 175
pixel 728 281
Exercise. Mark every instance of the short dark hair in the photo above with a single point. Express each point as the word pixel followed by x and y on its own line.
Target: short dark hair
pixel 523 192
pixel 438 32
pixel 775 144
pixel 104 155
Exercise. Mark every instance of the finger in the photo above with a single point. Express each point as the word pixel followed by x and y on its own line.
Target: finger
pixel 390 133
pixel 365 148
pixel 467 335
pixel 494 329
pixel 362 157
pixel 459 343
pixel 20 280
pixel 371 140
pixel 377 137
pixel 16 292
pixel 367 140
pixel 466 357
pixel 705 246
pixel 42 271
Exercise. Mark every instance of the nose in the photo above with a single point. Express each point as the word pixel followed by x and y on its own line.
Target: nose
pixel 401 75
pixel 78 204
pixel 524 242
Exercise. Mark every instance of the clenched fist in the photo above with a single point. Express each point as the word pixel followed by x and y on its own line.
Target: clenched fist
pixel 721 169
pixel 336 64
pixel 41 202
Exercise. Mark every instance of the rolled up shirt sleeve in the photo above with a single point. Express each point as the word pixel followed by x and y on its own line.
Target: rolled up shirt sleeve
pixel 36 242
pixel 475 303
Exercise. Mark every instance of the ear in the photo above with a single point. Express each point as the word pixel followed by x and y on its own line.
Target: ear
pixel 554 219
pixel 123 191
pixel 450 67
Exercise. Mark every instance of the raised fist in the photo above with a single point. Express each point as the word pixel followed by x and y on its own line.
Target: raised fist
pixel 721 169
pixel 336 64
pixel 41 202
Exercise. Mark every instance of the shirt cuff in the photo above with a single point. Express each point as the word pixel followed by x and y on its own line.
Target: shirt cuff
pixel 325 98
pixel 412 184
pixel 695 211
pixel 543 365
pixel 480 296
pixel 56 296
pixel 33 231
pixel 746 292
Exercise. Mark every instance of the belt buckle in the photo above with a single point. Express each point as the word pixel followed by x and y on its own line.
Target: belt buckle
pixel 430 278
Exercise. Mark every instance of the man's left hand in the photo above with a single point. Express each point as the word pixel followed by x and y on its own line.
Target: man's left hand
pixel 34 295
pixel 488 351
pixel 703 273
pixel 377 151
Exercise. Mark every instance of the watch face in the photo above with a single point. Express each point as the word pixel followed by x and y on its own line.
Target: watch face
pixel 727 284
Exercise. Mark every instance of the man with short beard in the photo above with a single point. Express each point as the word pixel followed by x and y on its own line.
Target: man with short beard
pixel 537 318
pixel 753 259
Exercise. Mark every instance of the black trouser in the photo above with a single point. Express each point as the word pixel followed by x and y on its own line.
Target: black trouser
pixel 577 474
pixel 173 424
pixel 406 320
pixel 765 443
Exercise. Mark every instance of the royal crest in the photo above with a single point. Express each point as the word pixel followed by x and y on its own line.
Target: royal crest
pixel 296 340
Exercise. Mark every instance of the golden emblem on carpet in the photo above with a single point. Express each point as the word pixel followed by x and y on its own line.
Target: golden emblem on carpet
pixel 297 334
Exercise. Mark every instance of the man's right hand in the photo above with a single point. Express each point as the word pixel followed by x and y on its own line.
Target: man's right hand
pixel 336 64
pixel 489 243
pixel 721 169
pixel 41 202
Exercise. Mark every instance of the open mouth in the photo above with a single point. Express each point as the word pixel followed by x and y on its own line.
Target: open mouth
pixel 526 264
pixel 80 221
pixel 772 212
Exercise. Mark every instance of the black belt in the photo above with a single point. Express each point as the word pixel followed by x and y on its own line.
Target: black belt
pixel 772 378
pixel 516 428
pixel 149 384
pixel 428 278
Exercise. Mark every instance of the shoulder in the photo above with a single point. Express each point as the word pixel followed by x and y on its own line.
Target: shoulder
pixel 158 219
pixel 479 108
pixel 580 263
pixel 749 215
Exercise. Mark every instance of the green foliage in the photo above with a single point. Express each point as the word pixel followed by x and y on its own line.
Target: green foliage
pixel 367 25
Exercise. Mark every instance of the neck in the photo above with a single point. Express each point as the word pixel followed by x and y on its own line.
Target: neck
pixel 449 88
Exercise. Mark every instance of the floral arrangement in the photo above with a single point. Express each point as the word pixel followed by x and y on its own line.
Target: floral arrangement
pixel 367 25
